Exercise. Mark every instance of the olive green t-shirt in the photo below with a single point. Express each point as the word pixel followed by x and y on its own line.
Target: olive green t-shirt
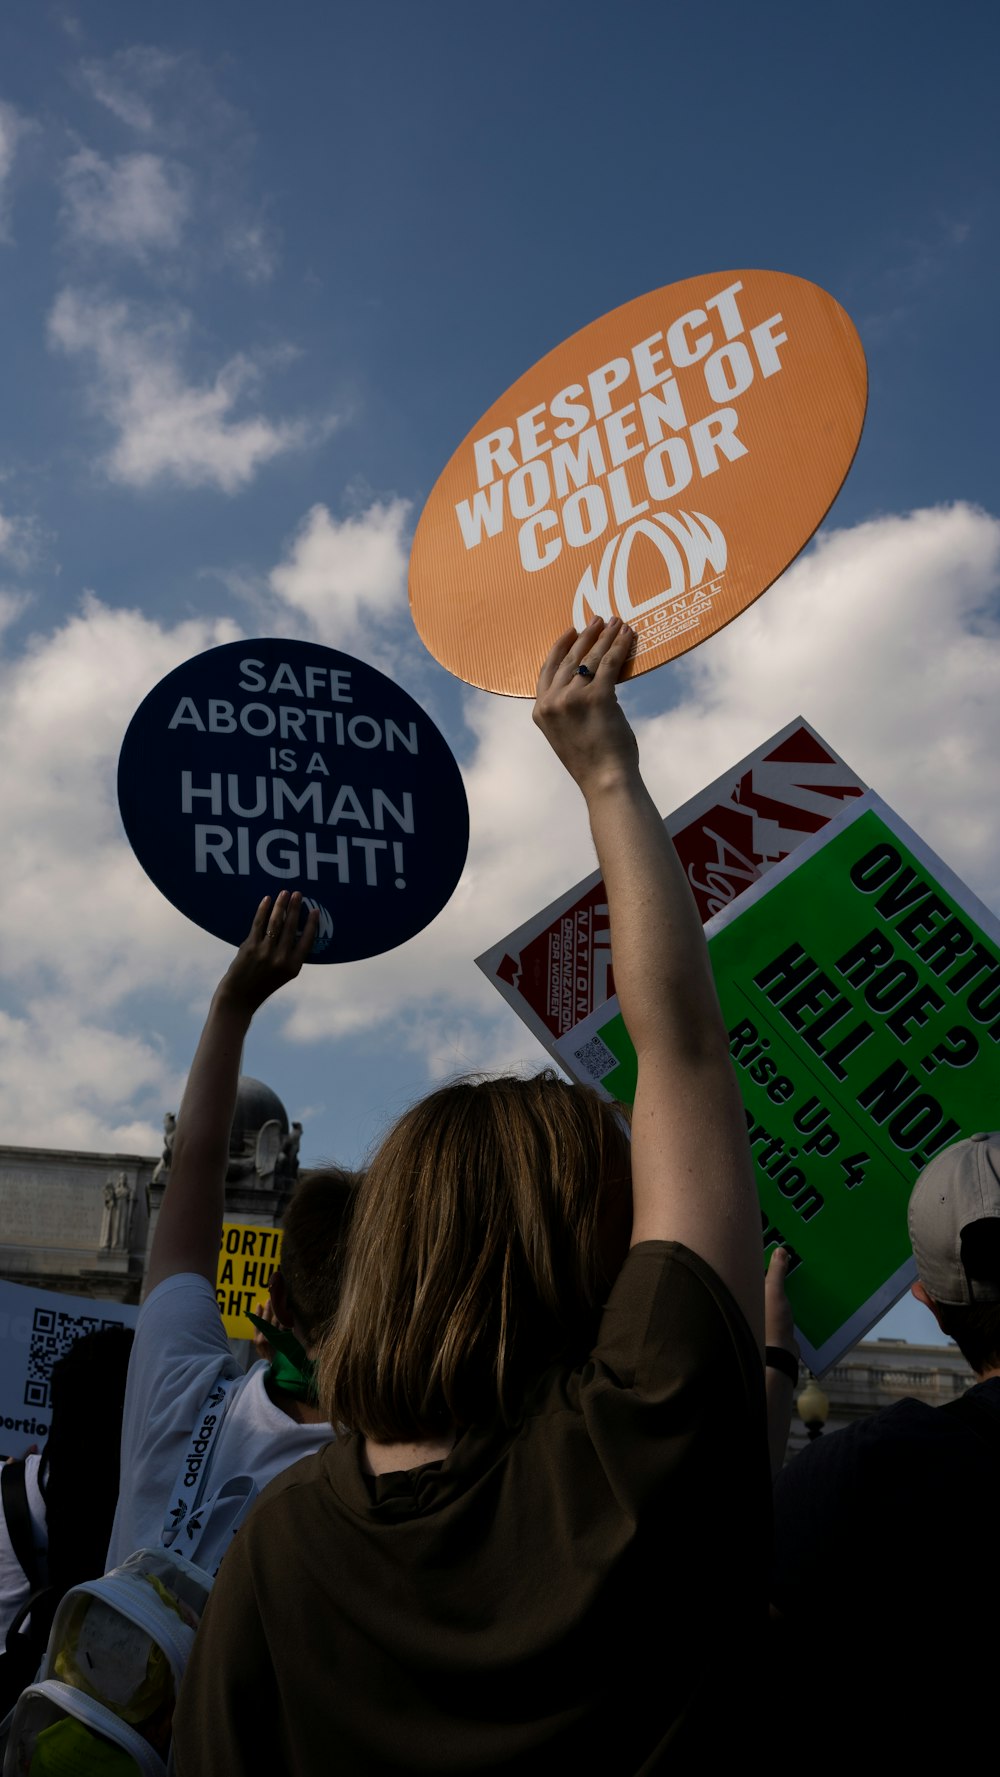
pixel 586 1591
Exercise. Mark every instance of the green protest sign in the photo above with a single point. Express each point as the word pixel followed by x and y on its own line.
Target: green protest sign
pixel 860 984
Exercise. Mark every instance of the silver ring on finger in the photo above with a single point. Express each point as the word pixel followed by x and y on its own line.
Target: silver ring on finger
pixel 584 672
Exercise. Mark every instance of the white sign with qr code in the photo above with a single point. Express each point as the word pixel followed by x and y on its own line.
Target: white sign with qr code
pixel 595 1059
pixel 37 1327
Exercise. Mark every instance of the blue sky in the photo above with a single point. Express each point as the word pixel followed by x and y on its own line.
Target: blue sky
pixel 262 269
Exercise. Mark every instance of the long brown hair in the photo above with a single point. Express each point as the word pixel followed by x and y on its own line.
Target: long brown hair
pixel 477 1255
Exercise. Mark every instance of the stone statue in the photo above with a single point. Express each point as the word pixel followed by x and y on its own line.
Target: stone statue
pixel 124 1203
pixel 108 1218
pixel 288 1159
pixel 162 1167
pixel 267 1152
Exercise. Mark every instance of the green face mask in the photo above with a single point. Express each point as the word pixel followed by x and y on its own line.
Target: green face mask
pixel 291 1370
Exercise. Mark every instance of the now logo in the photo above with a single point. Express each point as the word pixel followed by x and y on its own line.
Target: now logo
pixel 687 542
pixel 325 932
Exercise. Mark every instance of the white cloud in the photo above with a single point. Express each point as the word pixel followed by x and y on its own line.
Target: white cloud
pixel 167 428
pixel 136 205
pixel 19 541
pixel 12 128
pixel 129 83
pixel 882 637
pixel 885 637
pixel 347 575
pixel 12 606
pixel 252 248
pixel 73 1084
pixel 83 929
pixel 171 102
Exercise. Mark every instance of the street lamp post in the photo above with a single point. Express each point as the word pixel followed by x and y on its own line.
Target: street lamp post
pixel 813 1408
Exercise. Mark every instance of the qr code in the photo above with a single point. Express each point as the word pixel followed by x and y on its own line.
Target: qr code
pixel 596 1059
pixel 52 1334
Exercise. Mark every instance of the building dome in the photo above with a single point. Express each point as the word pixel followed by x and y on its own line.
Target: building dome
pixel 256 1105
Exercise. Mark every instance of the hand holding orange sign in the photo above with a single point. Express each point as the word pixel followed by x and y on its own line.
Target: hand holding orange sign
pixel 664 465
pixel 576 707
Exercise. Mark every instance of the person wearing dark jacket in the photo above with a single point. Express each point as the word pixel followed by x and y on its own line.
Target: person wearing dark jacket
pixel 885 1548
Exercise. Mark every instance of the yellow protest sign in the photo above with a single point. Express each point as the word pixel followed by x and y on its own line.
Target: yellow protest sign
pixel 248 1254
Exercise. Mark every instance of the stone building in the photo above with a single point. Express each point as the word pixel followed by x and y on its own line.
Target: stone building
pixel 75 1222
pixel 83 1223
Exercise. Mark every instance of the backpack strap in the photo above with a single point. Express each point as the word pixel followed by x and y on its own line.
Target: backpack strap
pixel 192 1480
pixel 23 1633
pixel 210 1528
pixel 17 1514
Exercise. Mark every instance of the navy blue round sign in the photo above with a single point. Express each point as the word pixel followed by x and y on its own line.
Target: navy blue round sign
pixel 268 765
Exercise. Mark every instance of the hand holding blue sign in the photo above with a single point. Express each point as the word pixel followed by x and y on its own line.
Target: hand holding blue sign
pixel 264 763
pixel 272 953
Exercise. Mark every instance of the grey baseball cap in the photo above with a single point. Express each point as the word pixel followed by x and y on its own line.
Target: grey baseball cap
pixel 954 1222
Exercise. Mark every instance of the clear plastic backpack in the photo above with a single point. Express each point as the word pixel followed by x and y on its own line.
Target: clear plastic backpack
pixel 102 1703
pixel 105 1696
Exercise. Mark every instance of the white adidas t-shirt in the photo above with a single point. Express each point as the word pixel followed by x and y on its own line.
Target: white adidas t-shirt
pixel 180 1350
pixel 14 1587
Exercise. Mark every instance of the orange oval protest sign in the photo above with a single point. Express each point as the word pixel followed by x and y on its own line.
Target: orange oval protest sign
pixel 664 464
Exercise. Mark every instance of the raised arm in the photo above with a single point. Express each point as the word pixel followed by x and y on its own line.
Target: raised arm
pixel 189 1225
pixel 781 1369
pixel 692 1176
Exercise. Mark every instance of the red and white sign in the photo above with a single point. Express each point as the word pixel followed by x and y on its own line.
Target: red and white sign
pixel 556 969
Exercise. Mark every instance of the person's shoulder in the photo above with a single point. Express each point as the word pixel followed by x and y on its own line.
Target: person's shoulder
pixel 674 1387
pixel 288 1499
pixel 250 1401
pixel 857 1499
pixel 906 1423
pixel 32 1487
pixel 32 1464
pixel 986 1393
pixel 901 1417
pixel 860 1455
pixel 180 1321
pixel 306 1473
pixel 192 1282
pixel 176 1298
pixel 652 1263
pixel 668 1304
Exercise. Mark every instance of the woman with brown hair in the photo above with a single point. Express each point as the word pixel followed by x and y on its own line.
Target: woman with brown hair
pixel 539 1540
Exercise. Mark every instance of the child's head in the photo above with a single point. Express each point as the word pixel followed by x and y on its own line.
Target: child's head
pixel 314 1236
